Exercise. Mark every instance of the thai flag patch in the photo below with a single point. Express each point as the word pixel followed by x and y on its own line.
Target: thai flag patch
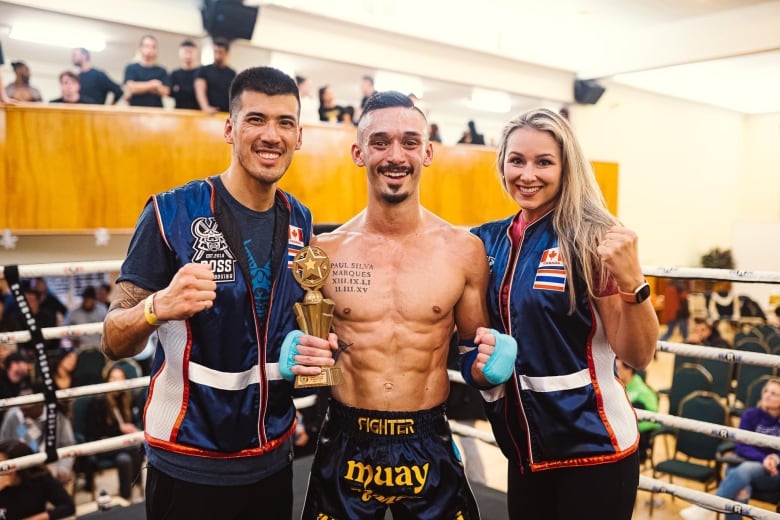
pixel 551 274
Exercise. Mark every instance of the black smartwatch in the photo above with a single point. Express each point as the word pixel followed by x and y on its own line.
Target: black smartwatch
pixel 638 295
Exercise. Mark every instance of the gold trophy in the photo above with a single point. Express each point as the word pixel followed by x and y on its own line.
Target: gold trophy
pixel 311 267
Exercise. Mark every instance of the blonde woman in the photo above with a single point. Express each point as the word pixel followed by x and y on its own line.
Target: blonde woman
pixel 567 284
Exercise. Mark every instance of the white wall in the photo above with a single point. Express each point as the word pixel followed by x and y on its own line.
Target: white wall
pixel 680 169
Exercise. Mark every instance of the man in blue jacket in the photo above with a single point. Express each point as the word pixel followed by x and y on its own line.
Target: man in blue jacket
pixel 208 269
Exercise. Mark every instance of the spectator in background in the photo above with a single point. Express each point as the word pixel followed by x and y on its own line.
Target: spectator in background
pixel 27 424
pixel 753 466
pixel 724 306
pixel 433 133
pixel 471 136
pixel 26 493
pixel 643 397
pixel 64 367
pixel 90 311
pixel 48 300
pixel 675 312
pixel 44 316
pixel 704 332
pixel 366 88
pixel 146 82
pixel 330 112
pixel 183 78
pixel 774 320
pixel 14 377
pixel 110 415
pixel 103 293
pixel 212 82
pixel 20 89
pixel 95 84
pixel 308 103
pixel 71 90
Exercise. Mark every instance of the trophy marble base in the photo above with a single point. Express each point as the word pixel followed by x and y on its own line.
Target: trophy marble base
pixel 330 376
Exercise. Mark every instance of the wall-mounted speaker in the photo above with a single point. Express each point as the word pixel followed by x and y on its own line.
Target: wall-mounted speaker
pixel 228 19
pixel 587 91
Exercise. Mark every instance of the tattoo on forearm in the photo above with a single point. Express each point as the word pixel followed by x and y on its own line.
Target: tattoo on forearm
pixel 129 297
pixel 351 277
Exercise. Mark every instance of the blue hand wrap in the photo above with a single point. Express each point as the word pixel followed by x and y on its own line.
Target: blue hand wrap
pixel 501 364
pixel 466 361
pixel 288 353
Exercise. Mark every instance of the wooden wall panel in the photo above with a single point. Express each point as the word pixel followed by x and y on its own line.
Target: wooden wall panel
pixel 607 176
pixel 3 165
pixel 323 176
pixel 73 169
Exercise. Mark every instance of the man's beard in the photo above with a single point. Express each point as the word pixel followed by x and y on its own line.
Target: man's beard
pixel 395 198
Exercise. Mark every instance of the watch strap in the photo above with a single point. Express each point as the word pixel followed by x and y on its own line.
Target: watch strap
pixel 636 295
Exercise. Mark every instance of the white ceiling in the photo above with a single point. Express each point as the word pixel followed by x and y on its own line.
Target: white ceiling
pixel 721 52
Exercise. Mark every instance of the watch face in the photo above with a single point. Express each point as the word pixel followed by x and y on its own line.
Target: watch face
pixel 642 293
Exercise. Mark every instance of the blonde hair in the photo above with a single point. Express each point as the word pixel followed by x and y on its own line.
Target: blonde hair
pixel 770 381
pixel 580 217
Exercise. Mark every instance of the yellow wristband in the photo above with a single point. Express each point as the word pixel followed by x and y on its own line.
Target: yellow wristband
pixel 149 315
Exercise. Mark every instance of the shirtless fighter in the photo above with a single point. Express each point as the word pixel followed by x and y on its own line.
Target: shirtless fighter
pixel 402 279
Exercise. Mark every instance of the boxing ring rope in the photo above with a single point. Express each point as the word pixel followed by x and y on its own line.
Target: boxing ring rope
pixel 733 275
pixel 708 500
pixel 707 273
pixel 720 354
pixel 77 391
pixel 713 430
pixel 66 268
pixel 73 451
pixel 67 331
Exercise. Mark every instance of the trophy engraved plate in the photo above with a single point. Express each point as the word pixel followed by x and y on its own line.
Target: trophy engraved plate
pixel 311 267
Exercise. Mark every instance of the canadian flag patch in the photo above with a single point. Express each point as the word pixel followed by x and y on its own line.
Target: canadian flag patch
pixel 551 273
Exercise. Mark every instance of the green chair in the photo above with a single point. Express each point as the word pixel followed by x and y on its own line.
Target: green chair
pixel 687 378
pixel 696 454
pixel 746 374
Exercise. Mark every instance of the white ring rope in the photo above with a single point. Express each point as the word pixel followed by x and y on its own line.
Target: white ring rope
pixel 734 275
pixel 711 429
pixel 76 450
pixel 65 269
pixel 77 391
pixel 720 354
pixel 708 500
pixel 22 336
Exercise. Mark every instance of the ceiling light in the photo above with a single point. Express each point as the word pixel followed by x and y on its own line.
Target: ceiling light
pixel 59 35
pixel 403 83
pixel 489 101
pixel 283 62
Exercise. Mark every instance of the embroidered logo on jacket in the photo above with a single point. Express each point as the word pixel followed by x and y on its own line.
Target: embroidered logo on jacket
pixel 294 244
pixel 551 274
pixel 211 248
